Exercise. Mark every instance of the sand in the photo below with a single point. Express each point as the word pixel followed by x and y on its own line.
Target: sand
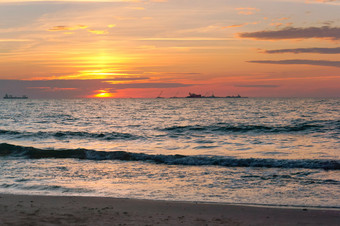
pixel 52 210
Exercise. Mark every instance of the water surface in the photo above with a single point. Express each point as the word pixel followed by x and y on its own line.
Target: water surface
pixel 280 151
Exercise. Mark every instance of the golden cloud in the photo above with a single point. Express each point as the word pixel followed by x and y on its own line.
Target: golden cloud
pixel 67 28
pixel 97 32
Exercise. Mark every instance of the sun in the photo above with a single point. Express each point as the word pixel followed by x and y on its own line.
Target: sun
pixel 104 94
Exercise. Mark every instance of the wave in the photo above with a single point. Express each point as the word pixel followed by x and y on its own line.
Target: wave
pixel 9 150
pixel 70 134
pixel 228 128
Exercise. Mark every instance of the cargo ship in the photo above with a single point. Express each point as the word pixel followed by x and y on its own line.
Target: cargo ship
pixel 193 95
pixel 14 97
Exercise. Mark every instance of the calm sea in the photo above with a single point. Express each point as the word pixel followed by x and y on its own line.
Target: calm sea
pixel 265 151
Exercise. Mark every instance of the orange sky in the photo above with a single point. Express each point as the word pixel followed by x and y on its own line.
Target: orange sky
pixel 71 49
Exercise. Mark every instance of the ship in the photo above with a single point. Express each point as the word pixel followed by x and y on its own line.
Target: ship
pixel 193 95
pixel 14 97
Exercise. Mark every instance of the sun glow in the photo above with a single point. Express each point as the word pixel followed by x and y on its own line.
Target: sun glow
pixel 99 66
pixel 104 94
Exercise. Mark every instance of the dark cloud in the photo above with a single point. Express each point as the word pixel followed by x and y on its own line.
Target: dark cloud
pixel 125 79
pixel 308 62
pixel 73 88
pixel 325 32
pixel 148 85
pixel 257 86
pixel 335 50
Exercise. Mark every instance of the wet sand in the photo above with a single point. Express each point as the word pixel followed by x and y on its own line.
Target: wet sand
pixel 52 210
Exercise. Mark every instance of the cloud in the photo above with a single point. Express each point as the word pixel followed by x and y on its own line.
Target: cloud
pixel 325 32
pixel 284 18
pixel 52 89
pixel 150 85
pixel 257 86
pixel 15 40
pixel 97 32
pixel 136 8
pixel 92 83
pixel 278 24
pixel 8 1
pixel 247 10
pixel 60 28
pixel 75 88
pixel 321 1
pixel 186 39
pixel 239 25
pixel 306 62
pixel 66 28
pixel 235 25
pixel 335 50
pixel 78 27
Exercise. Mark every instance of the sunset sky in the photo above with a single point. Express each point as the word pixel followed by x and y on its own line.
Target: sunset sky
pixel 140 48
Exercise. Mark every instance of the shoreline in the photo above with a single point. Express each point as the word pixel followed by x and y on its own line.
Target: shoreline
pixel 336 208
pixel 88 210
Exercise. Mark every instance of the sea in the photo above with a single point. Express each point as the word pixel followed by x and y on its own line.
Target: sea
pixel 254 151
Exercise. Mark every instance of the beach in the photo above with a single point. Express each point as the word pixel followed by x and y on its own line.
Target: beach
pixel 64 210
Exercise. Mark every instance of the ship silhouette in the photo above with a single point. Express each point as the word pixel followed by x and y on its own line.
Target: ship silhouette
pixel 15 97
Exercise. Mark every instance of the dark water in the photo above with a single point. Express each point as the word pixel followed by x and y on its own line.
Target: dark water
pixel 258 151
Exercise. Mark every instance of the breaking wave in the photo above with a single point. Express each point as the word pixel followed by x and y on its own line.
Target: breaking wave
pixel 228 128
pixel 8 150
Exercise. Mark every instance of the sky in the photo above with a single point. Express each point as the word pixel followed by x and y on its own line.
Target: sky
pixel 148 48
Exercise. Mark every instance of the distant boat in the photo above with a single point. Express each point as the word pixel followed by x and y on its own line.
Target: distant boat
pixel 193 95
pixel 14 97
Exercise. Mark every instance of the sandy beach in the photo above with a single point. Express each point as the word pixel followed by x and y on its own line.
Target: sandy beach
pixel 53 210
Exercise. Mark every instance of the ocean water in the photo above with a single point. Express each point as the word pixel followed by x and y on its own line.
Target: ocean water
pixel 279 151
